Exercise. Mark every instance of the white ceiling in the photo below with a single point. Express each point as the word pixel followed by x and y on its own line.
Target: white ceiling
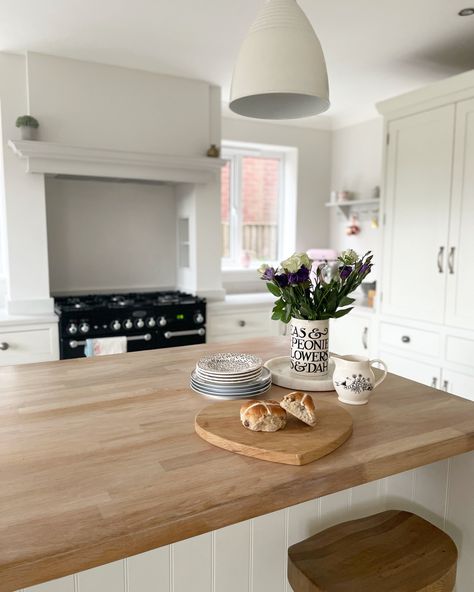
pixel 374 48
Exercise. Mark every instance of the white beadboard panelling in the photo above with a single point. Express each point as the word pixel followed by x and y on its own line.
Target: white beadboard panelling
pixel 269 552
pixel 232 558
pixel 149 572
pixel 192 564
pixel 334 508
pixel 460 517
pixel 430 492
pixel 61 585
pixel 400 491
pixel 366 499
pixel 106 578
pixel 303 521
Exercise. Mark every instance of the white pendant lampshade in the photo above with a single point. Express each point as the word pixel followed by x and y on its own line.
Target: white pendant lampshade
pixel 280 71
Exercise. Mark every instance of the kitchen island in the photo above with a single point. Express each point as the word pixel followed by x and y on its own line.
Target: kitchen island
pixel 100 462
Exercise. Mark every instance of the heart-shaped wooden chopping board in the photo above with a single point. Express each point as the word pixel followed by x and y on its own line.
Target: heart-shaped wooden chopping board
pixel 296 444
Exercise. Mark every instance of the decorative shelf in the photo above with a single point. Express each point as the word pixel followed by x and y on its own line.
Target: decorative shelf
pixel 49 158
pixel 346 207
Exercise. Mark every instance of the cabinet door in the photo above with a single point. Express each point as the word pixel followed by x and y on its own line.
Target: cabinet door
pixel 458 384
pixel 350 335
pixel 418 189
pixel 459 306
pixel 427 374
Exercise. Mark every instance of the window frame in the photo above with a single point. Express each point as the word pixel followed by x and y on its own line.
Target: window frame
pixel 235 154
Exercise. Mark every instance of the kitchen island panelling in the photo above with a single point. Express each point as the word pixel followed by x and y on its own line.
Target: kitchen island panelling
pixel 251 556
pixel 101 463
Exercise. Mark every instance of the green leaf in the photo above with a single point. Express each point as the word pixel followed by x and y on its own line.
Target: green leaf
pixel 276 316
pixel 342 312
pixel 346 301
pixel 275 290
pixel 286 314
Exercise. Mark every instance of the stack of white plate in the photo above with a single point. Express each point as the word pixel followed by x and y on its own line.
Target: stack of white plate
pixel 231 376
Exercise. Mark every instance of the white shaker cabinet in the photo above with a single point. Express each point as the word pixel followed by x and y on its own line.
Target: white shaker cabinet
pixel 425 373
pixel 458 384
pixel 352 334
pixel 418 188
pixel 460 276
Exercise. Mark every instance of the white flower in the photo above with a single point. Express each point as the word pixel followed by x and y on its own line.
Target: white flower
pixel 349 257
pixel 263 268
pixel 295 262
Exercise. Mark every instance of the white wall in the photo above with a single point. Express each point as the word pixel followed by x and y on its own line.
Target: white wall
pixel 109 235
pixel 356 165
pixel 314 165
pixel 96 105
pixel 88 104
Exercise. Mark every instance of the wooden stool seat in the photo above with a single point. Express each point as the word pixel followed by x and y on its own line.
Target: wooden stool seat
pixel 392 551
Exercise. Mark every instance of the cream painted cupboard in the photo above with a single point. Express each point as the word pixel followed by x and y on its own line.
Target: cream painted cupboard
pixel 426 329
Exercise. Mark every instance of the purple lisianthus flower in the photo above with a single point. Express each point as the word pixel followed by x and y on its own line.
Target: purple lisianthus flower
pixel 292 278
pixel 269 273
pixel 282 280
pixel 345 271
pixel 365 268
pixel 303 274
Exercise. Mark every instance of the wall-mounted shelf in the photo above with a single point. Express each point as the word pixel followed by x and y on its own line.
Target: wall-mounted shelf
pixel 355 205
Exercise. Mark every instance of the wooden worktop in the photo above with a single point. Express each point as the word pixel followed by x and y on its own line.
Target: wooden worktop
pixel 99 459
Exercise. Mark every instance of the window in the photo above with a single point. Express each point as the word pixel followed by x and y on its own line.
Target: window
pixel 252 185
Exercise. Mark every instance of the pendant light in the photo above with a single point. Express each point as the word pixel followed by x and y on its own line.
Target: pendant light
pixel 280 72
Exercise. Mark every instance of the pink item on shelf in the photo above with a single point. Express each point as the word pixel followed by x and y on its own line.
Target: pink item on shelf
pixel 322 254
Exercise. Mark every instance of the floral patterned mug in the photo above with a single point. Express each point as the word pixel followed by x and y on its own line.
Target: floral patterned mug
pixel 354 379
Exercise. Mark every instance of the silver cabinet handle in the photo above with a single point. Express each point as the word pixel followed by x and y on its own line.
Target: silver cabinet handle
pixel 170 334
pixel 406 339
pixel 445 385
pixel 365 334
pixel 242 323
pixel 452 252
pixel 147 337
pixel 434 382
pixel 440 259
pixel 4 346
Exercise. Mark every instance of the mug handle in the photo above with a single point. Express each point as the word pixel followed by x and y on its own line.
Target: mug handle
pixel 380 380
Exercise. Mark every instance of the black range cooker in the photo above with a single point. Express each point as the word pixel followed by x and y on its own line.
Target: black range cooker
pixel 149 320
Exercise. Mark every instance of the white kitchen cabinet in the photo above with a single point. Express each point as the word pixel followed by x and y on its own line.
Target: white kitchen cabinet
pixel 418 189
pixel 351 334
pixel 428 374
pixel 241 317
pixel 458 383
pixel 459 308
pixel 25 344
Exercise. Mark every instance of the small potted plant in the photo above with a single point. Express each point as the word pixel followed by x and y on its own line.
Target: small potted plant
pixel 307 300
pixel 28 127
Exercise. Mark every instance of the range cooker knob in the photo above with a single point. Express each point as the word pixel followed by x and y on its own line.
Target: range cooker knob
pixel 139 323
pixel 84 327
pixel 198 318
pixel 72 328
pixel 115 325
pixel 162 322
pixel 128 324
pixel 150 322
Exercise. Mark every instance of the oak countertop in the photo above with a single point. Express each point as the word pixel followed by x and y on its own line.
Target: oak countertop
pixel 99 459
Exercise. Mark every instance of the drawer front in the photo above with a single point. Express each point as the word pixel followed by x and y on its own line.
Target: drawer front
pixel 229 327
pixel 26 345
pixel 427 374
pixel 460 351
pixel 410 340
pixel 458 384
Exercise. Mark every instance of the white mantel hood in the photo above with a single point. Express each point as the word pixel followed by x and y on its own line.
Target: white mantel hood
pixel 49 158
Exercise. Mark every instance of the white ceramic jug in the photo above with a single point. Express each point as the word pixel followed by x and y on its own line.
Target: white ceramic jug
pixel 354 379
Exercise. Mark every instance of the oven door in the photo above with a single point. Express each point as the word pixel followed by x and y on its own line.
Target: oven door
pixel 74 348
pixel 175 338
